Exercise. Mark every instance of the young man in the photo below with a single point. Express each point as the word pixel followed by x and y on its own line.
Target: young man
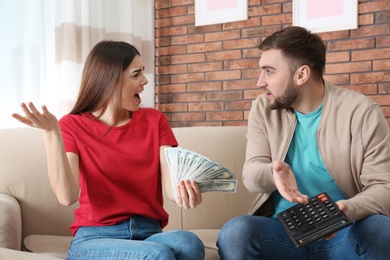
pixel 307 136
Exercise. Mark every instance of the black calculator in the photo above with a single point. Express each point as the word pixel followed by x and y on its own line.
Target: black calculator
pixel 310 222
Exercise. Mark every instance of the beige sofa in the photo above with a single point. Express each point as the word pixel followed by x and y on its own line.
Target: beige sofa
pixel 31 219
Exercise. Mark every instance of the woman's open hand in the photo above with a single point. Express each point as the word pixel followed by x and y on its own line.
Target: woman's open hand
pixel 32 117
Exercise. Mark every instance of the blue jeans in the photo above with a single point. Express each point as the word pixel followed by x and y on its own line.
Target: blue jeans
pixel 255 237
pixel 135 238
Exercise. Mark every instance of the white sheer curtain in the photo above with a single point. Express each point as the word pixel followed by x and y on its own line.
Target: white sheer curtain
pixel 44 44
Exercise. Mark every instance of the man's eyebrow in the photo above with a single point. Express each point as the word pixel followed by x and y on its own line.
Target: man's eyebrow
pixel 267 67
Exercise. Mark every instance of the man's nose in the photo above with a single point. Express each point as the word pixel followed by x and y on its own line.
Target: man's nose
pixel 260 82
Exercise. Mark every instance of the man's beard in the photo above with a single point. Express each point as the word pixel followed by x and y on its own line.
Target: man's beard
pixel 287 98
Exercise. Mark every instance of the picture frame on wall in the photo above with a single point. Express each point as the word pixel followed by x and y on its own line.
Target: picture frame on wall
pixel 325 15
pixel 217 11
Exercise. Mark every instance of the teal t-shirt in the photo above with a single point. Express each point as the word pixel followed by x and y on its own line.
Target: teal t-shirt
pixel 306 163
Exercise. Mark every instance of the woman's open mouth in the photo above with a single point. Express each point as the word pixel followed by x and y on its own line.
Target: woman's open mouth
pixel 137 98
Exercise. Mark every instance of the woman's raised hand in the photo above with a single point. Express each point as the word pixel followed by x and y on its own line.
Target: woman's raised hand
pixel 34 118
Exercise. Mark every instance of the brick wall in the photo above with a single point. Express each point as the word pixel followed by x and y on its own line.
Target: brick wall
pixel 207 75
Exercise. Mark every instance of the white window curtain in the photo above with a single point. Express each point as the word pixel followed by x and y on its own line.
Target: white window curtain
pixel 44 44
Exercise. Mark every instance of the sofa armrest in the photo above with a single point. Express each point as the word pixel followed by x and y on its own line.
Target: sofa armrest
pixel 10 223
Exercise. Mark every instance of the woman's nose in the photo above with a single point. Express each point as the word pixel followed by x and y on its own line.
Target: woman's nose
pixel 144 81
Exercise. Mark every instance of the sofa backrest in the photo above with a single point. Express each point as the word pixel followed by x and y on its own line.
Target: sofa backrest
pixel 225 145
pixel 23 175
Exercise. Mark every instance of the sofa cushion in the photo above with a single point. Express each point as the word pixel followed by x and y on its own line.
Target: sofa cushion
pixel 9 254
pixel 57 246
pixel 10 223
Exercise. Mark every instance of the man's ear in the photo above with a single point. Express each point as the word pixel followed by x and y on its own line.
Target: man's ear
pixel 303 74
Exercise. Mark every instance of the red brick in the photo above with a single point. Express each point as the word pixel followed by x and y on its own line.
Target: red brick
pixel 252 94
pixel 169 50
pixel 189 77
pixel 252 21
pixel 183 20
pixel 164 98
pixel 223 55
pixel 343 45
pixel 223 75
pixel 170 12
pixel 222 36
pixel 189 97
pixel 162 4
pixel 224 95
pixel 367 89
pixel 241 64
pixel 386 111
pixel 366 19
pixel 242 43
pixel 204 47
pixel 224 115
pixel 163 79
pixel 203 67
pixel 239 84
pixel 371 54
pixel 170 31
pixel 187 39
pixel 205 86
pixel 383 17
pixel 382 65
pixel 287 8
pixel 192 29
pixel 162 60
pixel 250 74
pixel 367 31
pixel 205 106
pixel 384 88
pixel 383 41
pixel 172 69
pixel 276 19
pixel 265 10
pixel 260 31
pixel 164 22
pixel 337 68
pixel 172 107
pixel 238 105
pixel 161 42
pixel 181 2
pixel 332 57
pixel 171 88
pixel 382 100
pixel 189 116
pixel 188 58
pixel 340 79
pixel 374 6
pixel 370 77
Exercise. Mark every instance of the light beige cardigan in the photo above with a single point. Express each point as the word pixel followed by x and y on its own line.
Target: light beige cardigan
pixel 354 141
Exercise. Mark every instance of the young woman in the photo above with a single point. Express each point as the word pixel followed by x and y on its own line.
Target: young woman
pixel 108 154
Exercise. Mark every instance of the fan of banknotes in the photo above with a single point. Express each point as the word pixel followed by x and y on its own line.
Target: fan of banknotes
pixel 185 164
